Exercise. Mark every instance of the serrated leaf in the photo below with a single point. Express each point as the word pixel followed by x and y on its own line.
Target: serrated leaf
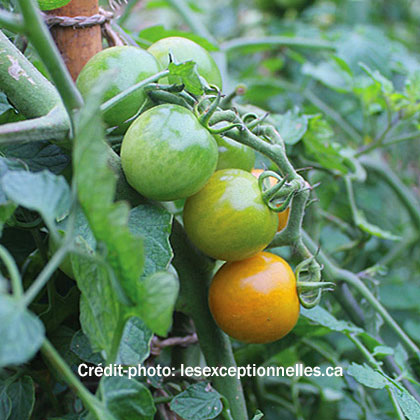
pixel 198 401
pixel 408 404
pixel 291 125
pixel 373 230
pixel 159 294
pixel 154 225
pixel 367 376
pixel 44 192
pixel 135 343
pixel 21 332
pixel 96 184
pixel 187 71
pixel 127 399
pixel 99 306
pixel 22 396
pixel 324 318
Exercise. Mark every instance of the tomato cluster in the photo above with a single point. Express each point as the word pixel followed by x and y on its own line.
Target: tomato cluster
pixel 167 154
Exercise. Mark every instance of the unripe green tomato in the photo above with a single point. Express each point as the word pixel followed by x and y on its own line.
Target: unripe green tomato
pixel 234 155
pixel 183 49
pixel 167 154
pixel 228 219
pixel 52 4
pixel 131 66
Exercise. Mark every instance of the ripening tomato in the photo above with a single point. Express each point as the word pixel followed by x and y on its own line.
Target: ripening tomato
pixel 131 65
pixel 228 219
pixel 255 300
pixel 283 215
pixel 167 154
pixel 183 49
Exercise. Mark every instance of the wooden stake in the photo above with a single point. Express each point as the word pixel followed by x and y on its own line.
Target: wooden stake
pixel 78 45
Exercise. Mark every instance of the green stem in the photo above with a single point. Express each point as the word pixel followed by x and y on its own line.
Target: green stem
pixel 45 275
pixel 29 91
pixel 111 103
pixel 194 272
pixel 276 42
pixel 11 21
pixel 162 400
pixel 57 361
pixel 335 273
pixel 404 137
pixel 11 266
pixel 43 43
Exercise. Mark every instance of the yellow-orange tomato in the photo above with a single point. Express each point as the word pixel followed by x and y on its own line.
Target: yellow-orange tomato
pixel 283 215
pixel 255 300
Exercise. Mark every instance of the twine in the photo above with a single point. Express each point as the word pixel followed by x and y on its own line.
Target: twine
pixel 100 18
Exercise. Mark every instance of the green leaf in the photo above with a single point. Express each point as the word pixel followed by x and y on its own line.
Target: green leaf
pixel 159 294
pixel 386 86
pixel 258 415
pixel 127 399
pixel 408 404
pixel 198 401
pixel 4 104
pixel 383 351
pixel 5 404
pixel 187 71
pixel 154 225
pixel 412 87
pixel 80 346
pixel 331 73
pixel 44 192
pixel 22 397
pixel 373 230
pixel 96 184
pixel 319 143
pixel 39 155
pixel 322 317
pixel 99 306
pixel 367 376
pixel 291 125
pixel 157 32
pixel 52 4
pixel 135 343
pixel 21 332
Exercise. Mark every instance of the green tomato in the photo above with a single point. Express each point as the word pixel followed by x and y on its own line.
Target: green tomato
pixel 131 65
pixel 228 219
pixel 167 154
pixel 234 155
pixel 183 49
pixel 52 4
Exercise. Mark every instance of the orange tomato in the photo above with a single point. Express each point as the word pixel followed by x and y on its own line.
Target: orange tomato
pixel 283 215
pixel 255 300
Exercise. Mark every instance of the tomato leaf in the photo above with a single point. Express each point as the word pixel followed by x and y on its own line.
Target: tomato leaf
pixel 189 75
pixel 22 397
pixel 127 398
pixel 135 343
pixel 81 347
pixel 408 404
pixel 367 376
pixel 291 126
pixel 52 4
pixel 198 401
pixel 21 332
pixel 96 184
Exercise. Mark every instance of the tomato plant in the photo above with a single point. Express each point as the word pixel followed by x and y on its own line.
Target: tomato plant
pixel 127 66
pixel 228 219
pixel 255 300
pixel 167 155
pixel 125 245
